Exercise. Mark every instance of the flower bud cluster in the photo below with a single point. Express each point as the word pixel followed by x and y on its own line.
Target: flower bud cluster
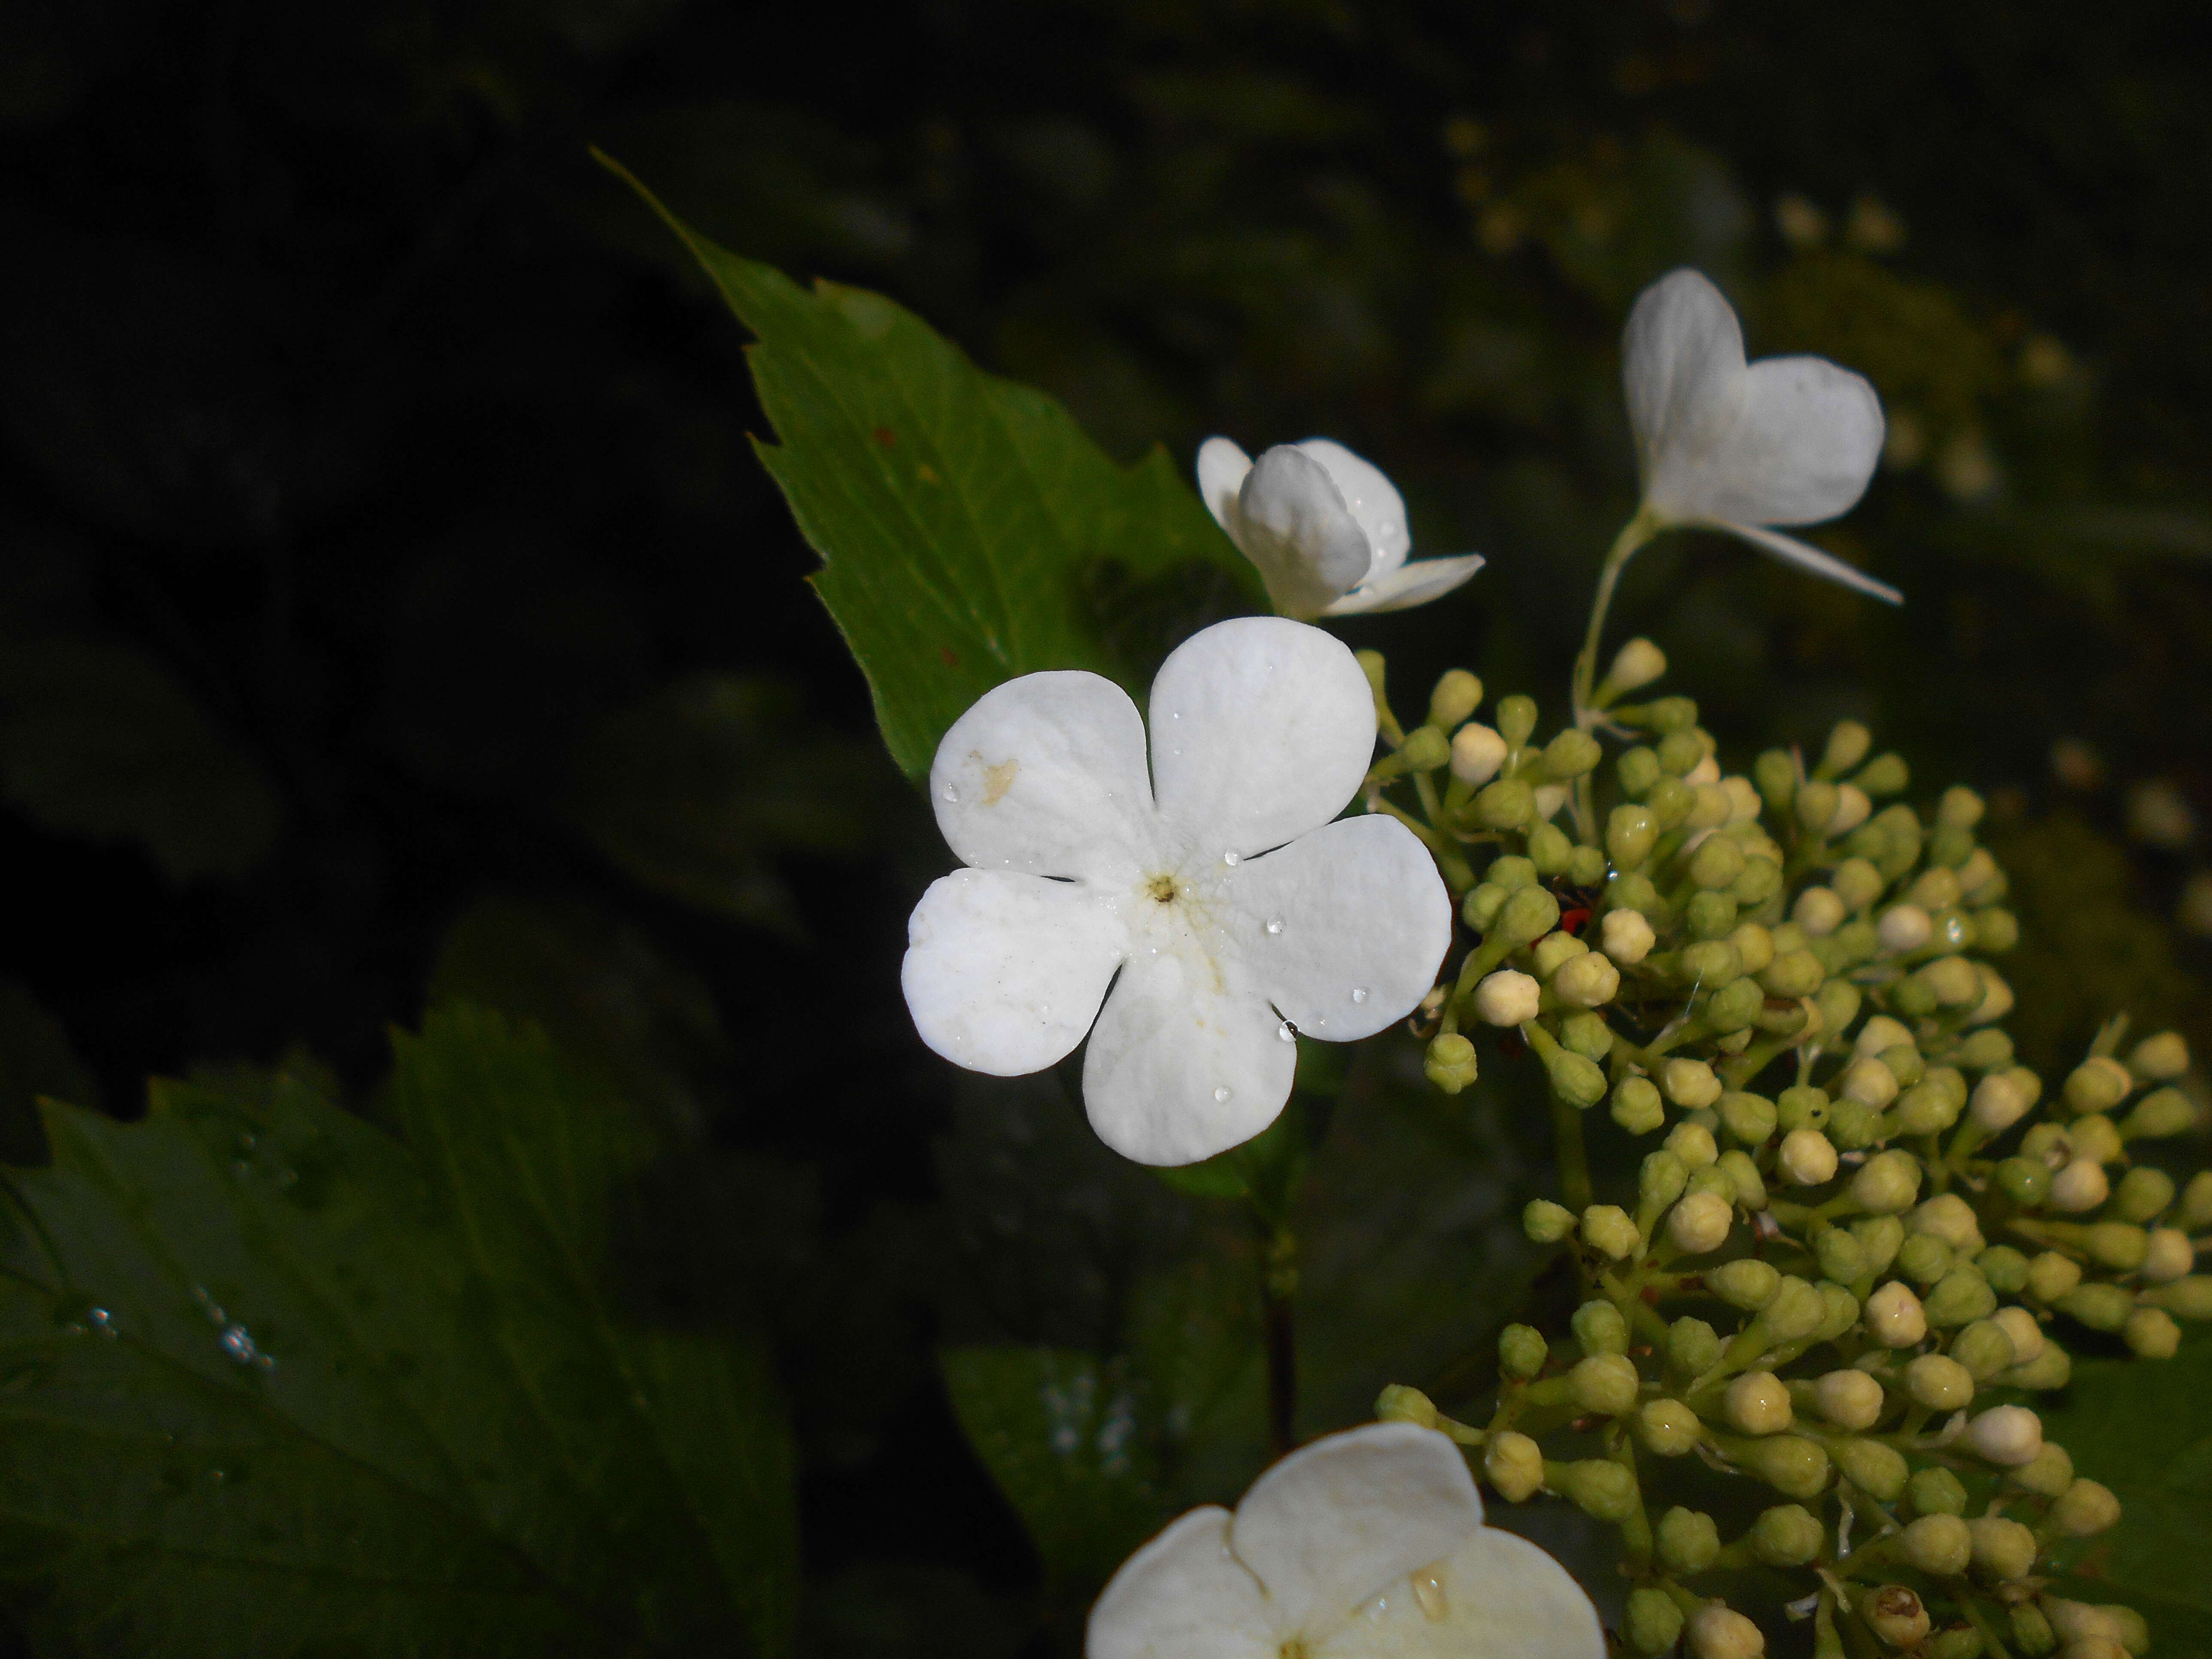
pixel 1864 1236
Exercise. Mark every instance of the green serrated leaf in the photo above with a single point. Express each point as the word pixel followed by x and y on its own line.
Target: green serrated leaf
pixel 2144 1428
pixel 969 530
pixel 276 1382
pixel 1059 1433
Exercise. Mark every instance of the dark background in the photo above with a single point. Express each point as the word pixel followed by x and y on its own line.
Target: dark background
pixel 391 606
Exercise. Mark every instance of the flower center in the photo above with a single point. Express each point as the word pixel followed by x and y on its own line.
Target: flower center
pixel 1161 888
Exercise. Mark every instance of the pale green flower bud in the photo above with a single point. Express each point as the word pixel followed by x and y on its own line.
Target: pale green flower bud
pixel 1604 1382
pixel 2025 1334
pixel 1749 1118
pixel 1997 996
pixel 2008 1436
pixel 1923 1260
pixel 1938 1544
pixel 1458 695
pixel 1607 1230
pixel 1669 714
pixel 1849 1399
pixel 1842 1258
pixel 2086 1508
pixel 1959 1297
pixel 2161 1113
pixel 1484 901
pixel 1693 1347
pixel 2079 1625
pixel 1806 1158
pixel 1786 1536
pixel 2049 1370
pixel 2167 1254
pixel 1517 718
pixel 1746 1186
pixel 1549 849
pixel 1507 997
pixel 2049 1471
pixel 1904 927
pixel 2098 1084
pixel 1893 1613
pixel 1794 1311
pixel 1815 805
pixel 1870 1082
pixel 1852 807
pixel 2051 1276
pixel 2195 1213
pixel 1451 1062
pixel 1753 946
pixel 1691 1084
pixel 1757 1403
pixel 1895 1317
pixel 2025 1181
pixel 1653 1623
pixel 1793 974
pixel 1847 745
pixel 1635 665
pixel 1638 770
pixel 2002 1549
pixel 2152 1334
pixel 1709 916
pixel 1885 775
pixel 1662 1179
pixel 1818 911
pixel 1577 1081
pixel 1886 1183
pixel 2134 1630
pixel 1792 1465
pixel 1598 1486
pixel 1522 1351
pixel 1718 1632
pixel 2005 1269
pixel 2030 1630
pixel 1937 1491
pixel 1627 937
pixel 2100 1307
pixel 1586 865
pixel 1513 872
pixel 1601 1329
pixel 1980 880
pixel 1775 775
pixel 1687 1540
pixel 1760 881
pixel 1668 1427
pixel 1637 1106
pixel 2083 1185
pixel 1746 1283
pixel 1802 1108
pixel 1589 981
pixel 1546 1223
pixel 2160 1058
pixel 1939 1382
pixel 1425 750
pixel 1398 1404
pixel 2187 1298
pixel 1839 1312
pixel 1998 1103
pixel 1926 1109
pixel 1529 914
pixel 1710 963
pixel 1700 1223
pixel 1933 890
pixel 1996 931
pixel 2116 1244
pixel 1985 1051
pixel 1985 1349
pixel 1954 982
pixel 1506 803
pixel 1515 1464
pixel 1951 1218
pixel 1553 952
pixel 1716 863
pixel 1880 1236
pixel 1569 755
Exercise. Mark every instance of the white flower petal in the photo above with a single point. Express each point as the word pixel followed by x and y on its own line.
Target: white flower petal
pixel 1187 1059
pixel 1046 775
pixel 1221 469
pixel 1408 585
pixel 1344 927
pixel 1373 500
pixel 1805 556
pixel 1788 441
pixel 1182 1597
pixel 1300 531
pixel 1003 972
pixel 1495 1597
pixel 1262 729
pixel 1334 1523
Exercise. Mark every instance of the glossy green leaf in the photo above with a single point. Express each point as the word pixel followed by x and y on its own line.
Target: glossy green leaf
pixel 969 530
pixel 275 1381
pixel 1060 1433
pixel 2142 1428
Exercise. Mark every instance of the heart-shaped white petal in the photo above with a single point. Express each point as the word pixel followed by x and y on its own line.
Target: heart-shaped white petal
pixel 1184 1595
pixel 1740 446
pixel 1372 499
pixel 1408 586
pixel 1003 972
pixel 1294 525
pixel 1262 729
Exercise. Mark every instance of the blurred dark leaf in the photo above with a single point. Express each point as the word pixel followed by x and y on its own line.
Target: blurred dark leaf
pixel 691 790
pixel 905 1610
pixel 36 1059
pixel 1059 1431
pixel 1196 1339
pixel 98 740
pixel 2139 1427
pixel 957 514
pixel 280 1383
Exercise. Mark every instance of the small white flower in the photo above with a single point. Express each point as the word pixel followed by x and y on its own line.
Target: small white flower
pixel 1366 1545
pixel 1215 896
pixel 1326 528
pixel 1742 446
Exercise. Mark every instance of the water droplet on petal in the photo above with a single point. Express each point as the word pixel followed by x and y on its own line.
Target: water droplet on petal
pixel 1221 1094
pixel 1359 993
pixel 1288 1032
pixel 1274 924
pixel 1232 859
pixel 1429 1591
pixel 951 794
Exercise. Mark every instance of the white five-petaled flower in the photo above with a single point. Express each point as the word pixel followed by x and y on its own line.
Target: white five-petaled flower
pixel 1366 1545
pixel 1326 528
pixel 1743 446
pixel 1225 910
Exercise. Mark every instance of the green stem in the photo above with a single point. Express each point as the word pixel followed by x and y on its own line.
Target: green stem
pixel 1574 1161
pixel 1633 534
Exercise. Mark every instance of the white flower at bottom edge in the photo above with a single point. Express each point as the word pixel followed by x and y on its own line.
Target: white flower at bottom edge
pixel 1215 896
pixel 1740 446
pixel 1366 1545
pixel 1326 528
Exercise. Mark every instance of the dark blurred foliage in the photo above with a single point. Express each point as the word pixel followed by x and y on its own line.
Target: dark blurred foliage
pixel 389 604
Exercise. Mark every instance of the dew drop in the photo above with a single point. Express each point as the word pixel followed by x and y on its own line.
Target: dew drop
pixel 1221 1095
pixel 951 794
pixel 1359 993
pixel 1429 1592
pixel 1288 1032
pixel 1274 924
pixel 1232 859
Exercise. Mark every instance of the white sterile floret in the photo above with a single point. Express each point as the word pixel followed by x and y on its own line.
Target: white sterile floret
pixel 1477 752
pixel 1365 1545
pixel 1326 528
pixel 1507 997
pixel 1627 937
pixel 1742 446
pixel 1214 895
